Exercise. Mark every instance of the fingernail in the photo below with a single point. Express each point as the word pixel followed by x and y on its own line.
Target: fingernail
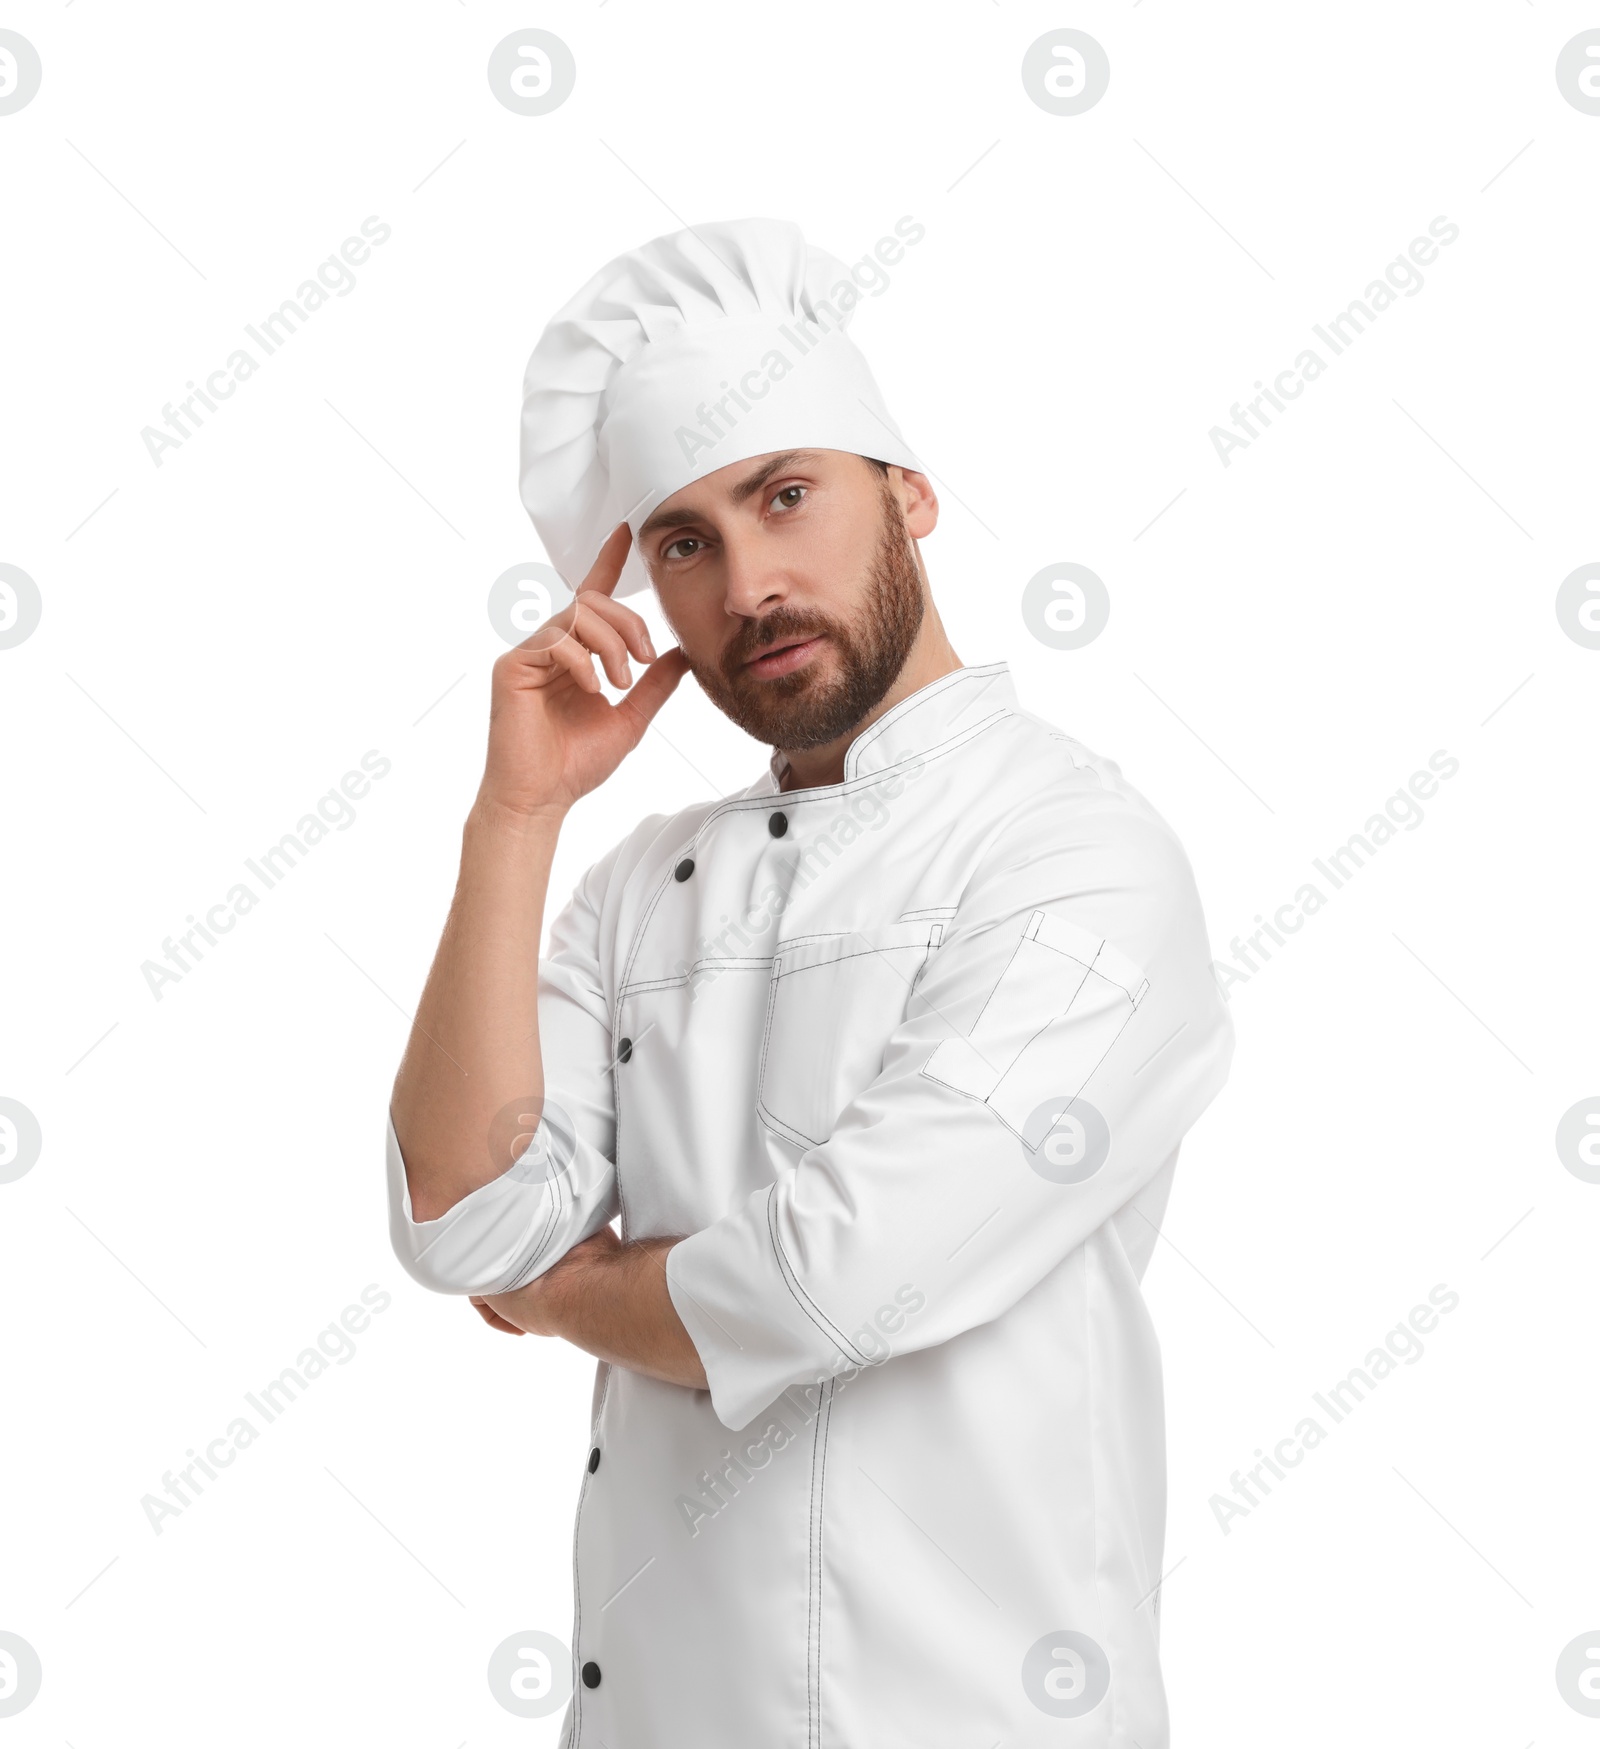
pixel 649 647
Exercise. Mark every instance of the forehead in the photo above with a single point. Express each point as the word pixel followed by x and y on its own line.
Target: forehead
pixel 735 484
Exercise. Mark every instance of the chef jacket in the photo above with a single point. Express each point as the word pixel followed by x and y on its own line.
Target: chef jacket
pixel 908 1057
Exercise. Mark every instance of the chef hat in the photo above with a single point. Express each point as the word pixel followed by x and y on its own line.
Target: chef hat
pixel 698 349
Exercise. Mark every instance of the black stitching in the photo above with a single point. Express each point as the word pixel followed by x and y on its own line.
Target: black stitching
pixel 1061 1015
pixel 949 1086
pixel 763 1110
pixel 744 963
pixel 1005 971
pixel 797 1289
pixel 988 1102
pixel 934 690
pixel 834 791
pixel 766 1039
pixel 819 1477
pixel 1094 1070
pixel 858 953
pixel 616 1137
pixel 577 1589
pixel 551 1226
pixel 837 791
pixel 1061 953
pixel 822 1532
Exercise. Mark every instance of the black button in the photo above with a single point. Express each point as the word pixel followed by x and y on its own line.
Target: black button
pixel 591 1674
pixel 594 1460
pixel 625 1050
pixel 777 824
pixel 684 868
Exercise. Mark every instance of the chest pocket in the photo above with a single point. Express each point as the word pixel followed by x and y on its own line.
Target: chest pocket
pixel 832 1004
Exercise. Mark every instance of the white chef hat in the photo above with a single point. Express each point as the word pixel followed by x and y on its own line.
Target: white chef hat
pixel 698 349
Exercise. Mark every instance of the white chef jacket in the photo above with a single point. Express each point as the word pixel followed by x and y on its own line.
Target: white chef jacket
pixel 909 1058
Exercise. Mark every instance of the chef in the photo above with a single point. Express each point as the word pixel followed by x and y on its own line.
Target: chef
pixel 881 1064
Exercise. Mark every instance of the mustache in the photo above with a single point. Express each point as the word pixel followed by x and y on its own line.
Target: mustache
pixel 784 625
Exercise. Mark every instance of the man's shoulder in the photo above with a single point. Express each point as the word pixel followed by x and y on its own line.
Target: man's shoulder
pixel 1038 754
pixel 1054 790
pixel 1068 833
pixel 1047 754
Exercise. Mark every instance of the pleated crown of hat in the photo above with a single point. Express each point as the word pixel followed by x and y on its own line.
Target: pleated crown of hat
pixel 699 349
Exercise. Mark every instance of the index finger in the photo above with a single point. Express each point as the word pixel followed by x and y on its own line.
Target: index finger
pixel 607 567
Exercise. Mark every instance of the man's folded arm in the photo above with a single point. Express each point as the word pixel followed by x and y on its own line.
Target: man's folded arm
pixel 563 1186
pixel 1061 1039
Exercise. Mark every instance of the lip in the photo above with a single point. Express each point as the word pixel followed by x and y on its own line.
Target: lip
pixel 786 660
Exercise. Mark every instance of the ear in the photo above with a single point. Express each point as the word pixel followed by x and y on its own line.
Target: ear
pixel 918 500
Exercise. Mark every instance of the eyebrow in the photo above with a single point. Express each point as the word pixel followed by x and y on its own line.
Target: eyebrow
pixel 741 493
pixel 780 464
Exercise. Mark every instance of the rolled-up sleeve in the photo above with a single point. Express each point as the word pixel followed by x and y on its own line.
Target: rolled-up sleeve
pixel 562 1188
pixel 1061 1038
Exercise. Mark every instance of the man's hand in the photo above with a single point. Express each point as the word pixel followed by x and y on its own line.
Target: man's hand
pixel 474 1046
pixel 610 1300
pixel 553 736
pixel 492 1318
pixel 533 1310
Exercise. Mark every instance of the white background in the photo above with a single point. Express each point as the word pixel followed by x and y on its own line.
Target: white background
pixel 304 579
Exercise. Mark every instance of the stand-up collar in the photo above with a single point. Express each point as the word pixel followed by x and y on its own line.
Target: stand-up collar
pixel 927 718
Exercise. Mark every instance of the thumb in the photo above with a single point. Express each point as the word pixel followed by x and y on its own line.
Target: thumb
pixel 653 688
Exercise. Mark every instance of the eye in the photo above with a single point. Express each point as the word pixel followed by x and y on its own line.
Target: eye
pixel 787 497
pixel 688 540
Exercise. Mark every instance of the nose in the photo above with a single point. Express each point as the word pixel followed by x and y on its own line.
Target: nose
pixel 753 578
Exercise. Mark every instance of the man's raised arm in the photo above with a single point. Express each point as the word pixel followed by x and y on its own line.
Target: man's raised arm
pixel 471 1082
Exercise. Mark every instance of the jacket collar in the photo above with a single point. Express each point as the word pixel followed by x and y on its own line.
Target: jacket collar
pixel 952 705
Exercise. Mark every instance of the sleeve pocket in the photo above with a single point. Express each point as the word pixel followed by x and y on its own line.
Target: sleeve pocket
pixel 1057 1008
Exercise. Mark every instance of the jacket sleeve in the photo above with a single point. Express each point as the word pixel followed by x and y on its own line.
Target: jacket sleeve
pixel 563 1187
pixel 1059 1041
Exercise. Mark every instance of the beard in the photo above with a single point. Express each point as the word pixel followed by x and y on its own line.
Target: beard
pixel 802 710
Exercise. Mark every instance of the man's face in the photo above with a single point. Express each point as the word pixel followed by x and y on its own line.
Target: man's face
pixel 807 555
